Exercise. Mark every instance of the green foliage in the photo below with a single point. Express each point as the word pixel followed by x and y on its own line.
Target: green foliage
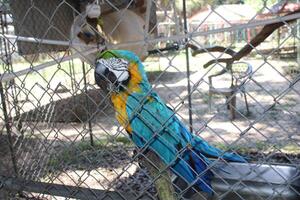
pixel 260 4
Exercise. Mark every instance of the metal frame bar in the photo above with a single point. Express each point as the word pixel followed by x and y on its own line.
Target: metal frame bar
pixel 18 184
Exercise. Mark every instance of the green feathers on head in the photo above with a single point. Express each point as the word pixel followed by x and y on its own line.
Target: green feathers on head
pixel 125 54
pixel 107 54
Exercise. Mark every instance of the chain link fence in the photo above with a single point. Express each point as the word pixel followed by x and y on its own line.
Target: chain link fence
pixel 230 71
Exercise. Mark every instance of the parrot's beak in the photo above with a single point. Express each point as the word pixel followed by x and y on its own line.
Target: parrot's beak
pixel 100 81
pixel 105 79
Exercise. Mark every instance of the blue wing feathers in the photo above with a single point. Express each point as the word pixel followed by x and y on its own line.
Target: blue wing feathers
pixel 172 136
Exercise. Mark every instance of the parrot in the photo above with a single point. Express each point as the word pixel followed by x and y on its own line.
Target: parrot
pixel 151 124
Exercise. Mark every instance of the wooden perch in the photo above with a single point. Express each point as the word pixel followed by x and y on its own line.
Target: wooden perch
pixel 266 31
pixel 162 176
pixel 196 50
pixel 228 61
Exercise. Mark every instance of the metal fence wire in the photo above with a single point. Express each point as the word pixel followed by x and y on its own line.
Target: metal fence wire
pixel 229 70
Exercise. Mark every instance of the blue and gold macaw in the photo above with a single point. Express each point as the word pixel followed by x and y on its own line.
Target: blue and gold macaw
pixel 151 124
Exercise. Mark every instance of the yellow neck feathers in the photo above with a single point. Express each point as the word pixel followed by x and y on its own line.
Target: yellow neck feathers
pixel 119 99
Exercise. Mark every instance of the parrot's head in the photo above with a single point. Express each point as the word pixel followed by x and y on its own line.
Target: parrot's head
pixel 116 70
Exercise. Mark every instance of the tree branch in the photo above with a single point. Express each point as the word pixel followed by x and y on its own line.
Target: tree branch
pixel 265 32
pixel 197 50
pixel 228 61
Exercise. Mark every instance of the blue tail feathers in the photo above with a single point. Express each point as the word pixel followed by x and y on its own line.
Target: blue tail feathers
pixel 198 163
pixel 214 152
pixel 193 169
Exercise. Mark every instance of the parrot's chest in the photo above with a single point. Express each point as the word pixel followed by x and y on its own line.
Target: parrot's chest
pixel 125 104
pixel 120 101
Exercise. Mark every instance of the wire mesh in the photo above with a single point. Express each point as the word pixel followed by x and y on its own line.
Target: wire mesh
pixel 59 137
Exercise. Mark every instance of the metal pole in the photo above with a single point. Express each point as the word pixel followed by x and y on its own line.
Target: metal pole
pixel 147 20
pixel 187 67
pixel 87 105
pixel 177 27
pixel 9 68
pixel 72 73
